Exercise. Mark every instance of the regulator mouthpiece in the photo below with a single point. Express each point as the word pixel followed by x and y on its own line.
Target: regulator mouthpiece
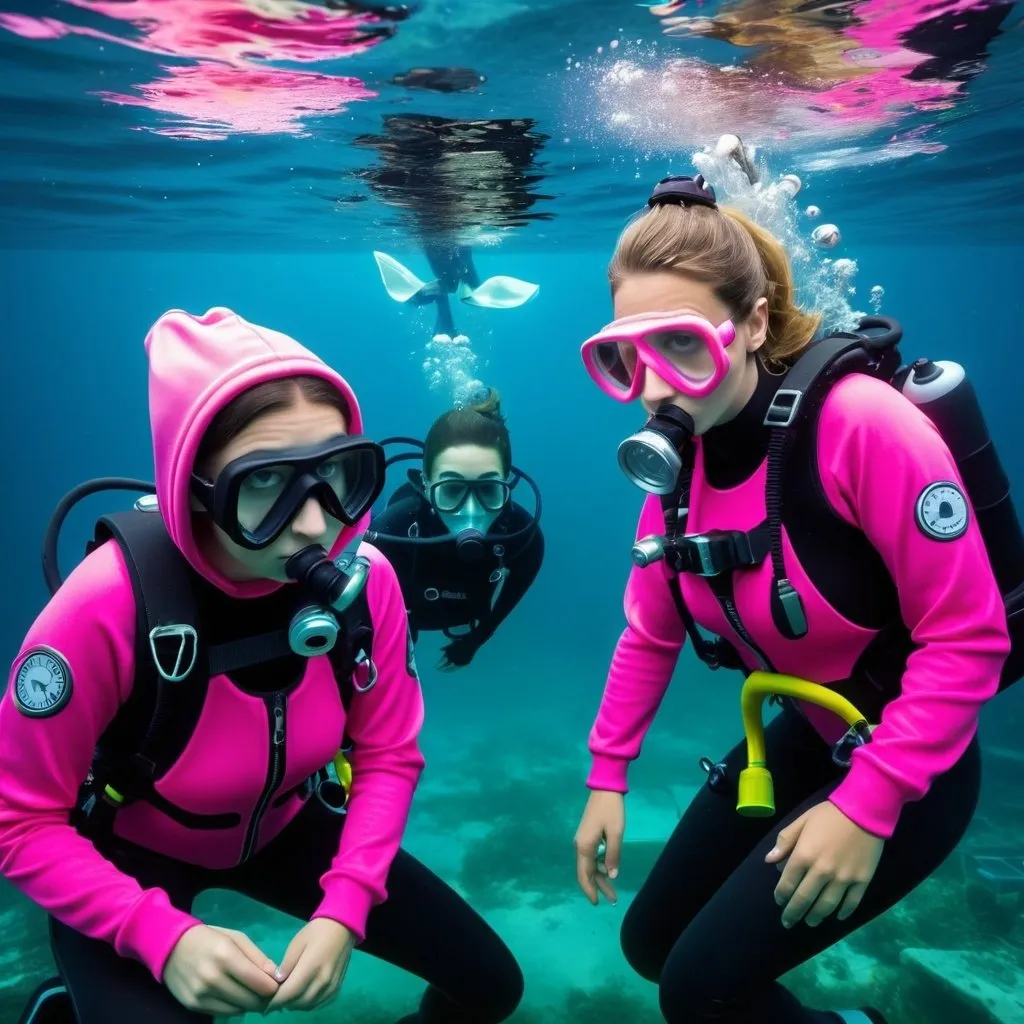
pixel 470 545
pixel 333 583
pixel 651 458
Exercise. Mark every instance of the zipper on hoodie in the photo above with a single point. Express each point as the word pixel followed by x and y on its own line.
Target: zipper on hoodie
pixel 275 770
pixel 722 587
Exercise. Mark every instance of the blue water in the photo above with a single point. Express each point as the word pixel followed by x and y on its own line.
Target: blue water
pixel 107 223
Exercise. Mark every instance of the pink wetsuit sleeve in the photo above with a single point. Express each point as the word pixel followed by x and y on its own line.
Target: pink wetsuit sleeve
pixel 641 667
pixel 384 725
pixel 877 453
pixel 43 761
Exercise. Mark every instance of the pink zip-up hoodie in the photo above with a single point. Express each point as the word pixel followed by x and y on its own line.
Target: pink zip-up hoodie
pixel 876 453
pixel 198 365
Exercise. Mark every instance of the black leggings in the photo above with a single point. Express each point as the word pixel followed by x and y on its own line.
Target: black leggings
pixel 705 925
pixel 423 927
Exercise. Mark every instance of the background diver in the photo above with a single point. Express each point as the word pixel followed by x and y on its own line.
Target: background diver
pixel 463 551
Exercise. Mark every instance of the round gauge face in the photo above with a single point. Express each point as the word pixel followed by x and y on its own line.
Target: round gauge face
pixel 942 511
pixel 42 685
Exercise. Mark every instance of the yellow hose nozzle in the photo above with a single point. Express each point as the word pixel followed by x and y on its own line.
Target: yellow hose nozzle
pixel 755 797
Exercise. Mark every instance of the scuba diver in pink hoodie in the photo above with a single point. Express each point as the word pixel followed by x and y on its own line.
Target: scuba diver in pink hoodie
pixel 220 696
pixel 843 526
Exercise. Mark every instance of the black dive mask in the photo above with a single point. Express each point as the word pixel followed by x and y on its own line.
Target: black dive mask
pixel 256 496
pixel 466 507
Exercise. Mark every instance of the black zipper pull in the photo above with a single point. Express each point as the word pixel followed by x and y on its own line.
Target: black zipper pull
pixel 278 721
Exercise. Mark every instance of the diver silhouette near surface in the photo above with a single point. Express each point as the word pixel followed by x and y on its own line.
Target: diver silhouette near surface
pixel 454 180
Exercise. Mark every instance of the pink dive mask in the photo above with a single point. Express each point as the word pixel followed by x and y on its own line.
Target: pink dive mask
pixel 685 350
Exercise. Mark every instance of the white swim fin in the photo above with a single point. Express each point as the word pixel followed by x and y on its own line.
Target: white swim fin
pixel 400 282
pixel 499 293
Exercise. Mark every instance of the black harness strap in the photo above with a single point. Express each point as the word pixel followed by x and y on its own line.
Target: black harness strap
pixel 717 554
pixel 675 506
pixel 795 404
pixel 172 672
pixel 235 655
pixel 355 644
pixel 173 667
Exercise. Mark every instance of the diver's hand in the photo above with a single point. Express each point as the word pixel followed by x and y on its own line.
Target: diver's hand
pixel 219 971
pixel 826 860
pixel 314 965
pixel 457 654
pixel 604 818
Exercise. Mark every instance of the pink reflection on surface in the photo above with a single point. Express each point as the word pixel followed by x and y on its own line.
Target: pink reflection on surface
pixel 33 28
pixel 686 101
pixel 239 30
pixel 842 68
pixel 231 89
pixel 219 100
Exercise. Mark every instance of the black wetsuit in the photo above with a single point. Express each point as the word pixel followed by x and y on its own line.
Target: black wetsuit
pixel 705 924
pixel 441 591
pixel 423 926
pixel 451 265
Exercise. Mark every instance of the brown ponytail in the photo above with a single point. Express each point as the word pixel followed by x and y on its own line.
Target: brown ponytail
pixel 724 248
pixel 490 405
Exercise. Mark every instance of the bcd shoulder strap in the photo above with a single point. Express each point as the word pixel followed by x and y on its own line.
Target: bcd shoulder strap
pixel 675 506
pixel 794 404
pixel 171 670
pixel 173 666
pixel 354 646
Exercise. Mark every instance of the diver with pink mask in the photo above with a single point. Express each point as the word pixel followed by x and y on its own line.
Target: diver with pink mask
pixel 842 528
pixel 223 694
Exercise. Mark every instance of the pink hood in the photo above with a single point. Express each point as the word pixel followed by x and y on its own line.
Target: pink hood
pixel 197 365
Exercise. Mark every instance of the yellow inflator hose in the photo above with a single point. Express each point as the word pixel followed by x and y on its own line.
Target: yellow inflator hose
pixel 756 798
pixel 344 772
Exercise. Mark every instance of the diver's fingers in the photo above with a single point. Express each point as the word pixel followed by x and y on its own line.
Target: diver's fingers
pixel 586 875
pixel 607 889
pixel 613 854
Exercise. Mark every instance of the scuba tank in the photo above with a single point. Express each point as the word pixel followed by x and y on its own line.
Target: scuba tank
pixel 942 390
